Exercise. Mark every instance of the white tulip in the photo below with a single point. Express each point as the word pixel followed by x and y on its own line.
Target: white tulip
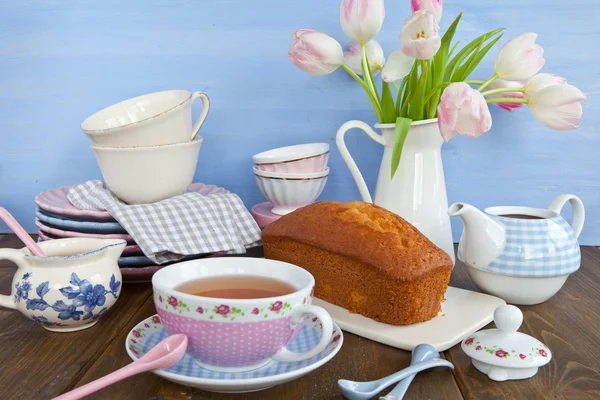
pixel 397 66
pixel 361 20
pixel 520 58
pixel 558 106
pixel 375 56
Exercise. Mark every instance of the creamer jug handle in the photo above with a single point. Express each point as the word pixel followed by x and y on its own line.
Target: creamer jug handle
pixel 578 210
pixel 341 145
pixel 15 256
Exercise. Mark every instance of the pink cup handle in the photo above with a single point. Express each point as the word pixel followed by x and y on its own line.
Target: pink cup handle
pixel 298 315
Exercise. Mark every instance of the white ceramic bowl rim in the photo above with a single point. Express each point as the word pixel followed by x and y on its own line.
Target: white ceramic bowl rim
pixel 190 143
pixel 216 263
pixel 185 96
pixel 501 211
pixel 291 153
pixel 289 175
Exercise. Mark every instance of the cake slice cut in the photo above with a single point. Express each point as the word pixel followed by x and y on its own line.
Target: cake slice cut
pixel 364 258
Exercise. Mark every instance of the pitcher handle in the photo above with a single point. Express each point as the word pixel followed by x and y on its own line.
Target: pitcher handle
pixel 15 256
pixel 341 145
pixel 203 113
pixel 578 211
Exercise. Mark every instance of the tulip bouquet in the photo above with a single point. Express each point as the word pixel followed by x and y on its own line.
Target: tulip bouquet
pixel 427 77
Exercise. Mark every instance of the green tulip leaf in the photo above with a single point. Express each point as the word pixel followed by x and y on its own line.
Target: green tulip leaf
pixel 402 128
pixel 465 70
pixel 458 59
pixel 387 104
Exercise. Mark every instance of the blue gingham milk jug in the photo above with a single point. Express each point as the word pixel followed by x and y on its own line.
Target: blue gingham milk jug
pixel 521 241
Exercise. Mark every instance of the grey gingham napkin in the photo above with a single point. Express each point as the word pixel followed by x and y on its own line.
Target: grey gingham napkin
pixel 183 225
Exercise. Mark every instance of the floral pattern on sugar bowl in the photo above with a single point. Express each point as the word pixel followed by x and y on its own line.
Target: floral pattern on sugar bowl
pixel 535 352
pixel 226 310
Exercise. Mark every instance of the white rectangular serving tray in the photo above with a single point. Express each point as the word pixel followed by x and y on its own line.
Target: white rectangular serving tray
pixel 463 313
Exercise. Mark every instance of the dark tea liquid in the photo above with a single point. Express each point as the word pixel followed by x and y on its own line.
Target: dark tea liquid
pixel 521 216
pixel 236 287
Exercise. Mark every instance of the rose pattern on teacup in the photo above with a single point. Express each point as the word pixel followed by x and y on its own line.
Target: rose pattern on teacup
pixel 226 310
pixel 81 299
pixel 216 328
pixel 502 353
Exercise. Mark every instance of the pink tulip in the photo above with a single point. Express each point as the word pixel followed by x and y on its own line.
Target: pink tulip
pixel 315 52
pixel 361 20
pixel 463 111
pixel 433 6
pixel 520 58
pixel 353 57
pixel 420 38
pixel 502 84
pixel 557 106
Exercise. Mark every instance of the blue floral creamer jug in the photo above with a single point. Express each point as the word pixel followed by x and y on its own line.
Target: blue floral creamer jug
pixel 70 288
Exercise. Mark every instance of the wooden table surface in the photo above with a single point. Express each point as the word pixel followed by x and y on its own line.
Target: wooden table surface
pixel 38 364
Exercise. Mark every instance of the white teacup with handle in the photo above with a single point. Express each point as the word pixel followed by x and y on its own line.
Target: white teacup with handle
pixel 154 119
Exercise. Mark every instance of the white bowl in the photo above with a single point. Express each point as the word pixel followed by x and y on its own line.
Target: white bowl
pixel 140 175
pixel 153 119
pixel 291 191
pixel 517 289
pixel 291 153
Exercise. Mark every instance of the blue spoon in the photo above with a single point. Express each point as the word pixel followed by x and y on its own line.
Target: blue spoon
pixel 367 390
pixel 422 352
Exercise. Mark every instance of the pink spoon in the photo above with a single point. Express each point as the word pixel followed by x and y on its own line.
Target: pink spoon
pixel 21 233
pixel 163 355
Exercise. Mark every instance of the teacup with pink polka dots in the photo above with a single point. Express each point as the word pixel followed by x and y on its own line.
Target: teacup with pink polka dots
pixel 234 335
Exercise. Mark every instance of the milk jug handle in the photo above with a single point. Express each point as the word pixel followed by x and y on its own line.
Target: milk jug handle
pixel 578 210
pixel 15 256
pixel 341 145
pixel 205 108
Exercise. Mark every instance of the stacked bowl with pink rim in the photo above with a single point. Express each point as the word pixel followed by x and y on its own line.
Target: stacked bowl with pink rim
pixel 289 177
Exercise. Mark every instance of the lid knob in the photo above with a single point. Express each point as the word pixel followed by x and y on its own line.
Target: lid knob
pixel 508 318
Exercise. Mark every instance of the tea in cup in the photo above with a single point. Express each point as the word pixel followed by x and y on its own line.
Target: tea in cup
pixel 238 313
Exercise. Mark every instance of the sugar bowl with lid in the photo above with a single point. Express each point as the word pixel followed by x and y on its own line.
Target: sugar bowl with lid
pixel 503 353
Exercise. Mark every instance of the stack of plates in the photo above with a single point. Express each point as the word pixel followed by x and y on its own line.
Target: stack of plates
pixel 57 218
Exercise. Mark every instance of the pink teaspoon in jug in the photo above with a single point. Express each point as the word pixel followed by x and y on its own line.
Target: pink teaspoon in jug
pixel 21 233
pixel 163 355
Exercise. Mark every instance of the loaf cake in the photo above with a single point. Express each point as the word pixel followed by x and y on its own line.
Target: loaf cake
pixel 364 258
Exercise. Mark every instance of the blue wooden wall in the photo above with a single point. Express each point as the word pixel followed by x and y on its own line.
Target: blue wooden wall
pixel 63 60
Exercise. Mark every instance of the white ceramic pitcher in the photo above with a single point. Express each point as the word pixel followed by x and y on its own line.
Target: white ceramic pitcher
pixel 418 191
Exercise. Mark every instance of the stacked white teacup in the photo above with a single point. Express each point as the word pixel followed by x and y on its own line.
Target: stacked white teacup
pixel 147 147
pixel 292 177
